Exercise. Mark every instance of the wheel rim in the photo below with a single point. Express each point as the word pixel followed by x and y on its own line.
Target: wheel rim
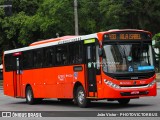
pixel 29 95
pixel 81 97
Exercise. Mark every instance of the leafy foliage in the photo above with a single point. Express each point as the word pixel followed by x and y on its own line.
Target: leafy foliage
pixel 34 20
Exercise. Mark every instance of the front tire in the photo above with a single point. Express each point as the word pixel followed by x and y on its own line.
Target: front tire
pixel 81 99
pixel 123 101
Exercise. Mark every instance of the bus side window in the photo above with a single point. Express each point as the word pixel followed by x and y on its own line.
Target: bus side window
pixel 27 60
pixel 38 58
pixel 48 56
pixel 9 63
pixel 75 53
pixel 61 55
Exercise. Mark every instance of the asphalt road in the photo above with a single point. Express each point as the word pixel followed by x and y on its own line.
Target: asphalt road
pixel 142 104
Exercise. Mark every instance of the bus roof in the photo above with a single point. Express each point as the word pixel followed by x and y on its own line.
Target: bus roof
pixel 67 39
pixel 52 40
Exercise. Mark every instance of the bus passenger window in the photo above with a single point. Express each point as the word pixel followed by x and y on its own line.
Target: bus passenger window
pixel 75 53
pixel 38 58
pixel 48 57
pixel 61 55
pixel 27 60
pixel 8 62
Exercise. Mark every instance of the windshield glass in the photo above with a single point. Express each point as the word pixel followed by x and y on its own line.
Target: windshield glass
pixel 122 58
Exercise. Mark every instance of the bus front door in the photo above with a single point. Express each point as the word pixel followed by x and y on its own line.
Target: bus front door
pixel 17 76
pixel 91 69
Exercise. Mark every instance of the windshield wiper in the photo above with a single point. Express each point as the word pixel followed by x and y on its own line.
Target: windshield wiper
pixel 122 50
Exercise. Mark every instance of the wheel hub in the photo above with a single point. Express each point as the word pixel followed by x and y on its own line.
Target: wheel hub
pixel 81 97
pixel 29 95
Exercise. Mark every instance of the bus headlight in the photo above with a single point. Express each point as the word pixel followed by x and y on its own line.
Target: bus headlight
pixel 111 84
pixel 152 83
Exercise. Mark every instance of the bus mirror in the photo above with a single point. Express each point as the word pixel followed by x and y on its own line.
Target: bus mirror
pixel 100 52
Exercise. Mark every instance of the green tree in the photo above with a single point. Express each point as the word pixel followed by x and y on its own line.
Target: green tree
pixel 34 20
pixel 156 37
pixel 56 17
pixel 138 14
pixel 89 16
pixel 29 7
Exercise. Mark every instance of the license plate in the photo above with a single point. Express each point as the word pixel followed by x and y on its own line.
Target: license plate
pixel 134 92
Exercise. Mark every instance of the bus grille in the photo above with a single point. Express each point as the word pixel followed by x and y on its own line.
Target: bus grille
pixel 132 76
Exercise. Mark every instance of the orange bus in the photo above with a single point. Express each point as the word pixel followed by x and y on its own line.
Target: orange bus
pixel 112 65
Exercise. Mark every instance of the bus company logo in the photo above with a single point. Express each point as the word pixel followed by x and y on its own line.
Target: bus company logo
pixel 125 83
pixel 61 77
pixel 69 75
pixel 142 82
pixel 134 83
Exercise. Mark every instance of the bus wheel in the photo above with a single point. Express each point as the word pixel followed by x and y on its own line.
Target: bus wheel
pixel 29 96
pixel 81 97
pixel 123 101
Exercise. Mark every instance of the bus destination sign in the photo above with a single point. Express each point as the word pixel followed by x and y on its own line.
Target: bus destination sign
pixel 127 36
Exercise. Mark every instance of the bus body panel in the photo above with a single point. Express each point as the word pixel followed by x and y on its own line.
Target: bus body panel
pixel 59 81
pixel 100 86
pixel 35 79
pixel 8 84
pixel 111 93
pixel 54 82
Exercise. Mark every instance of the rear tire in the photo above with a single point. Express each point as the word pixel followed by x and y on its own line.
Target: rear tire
pixel 81 99
pixel 123 101
pixel 29 96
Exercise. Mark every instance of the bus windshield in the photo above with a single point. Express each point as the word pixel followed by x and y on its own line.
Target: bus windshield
pixel 120 58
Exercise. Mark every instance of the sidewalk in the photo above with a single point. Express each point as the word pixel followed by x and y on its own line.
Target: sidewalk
pixel 158 85
pixel 158 77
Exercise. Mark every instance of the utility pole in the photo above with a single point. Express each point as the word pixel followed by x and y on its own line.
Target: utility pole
pixel 76 17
